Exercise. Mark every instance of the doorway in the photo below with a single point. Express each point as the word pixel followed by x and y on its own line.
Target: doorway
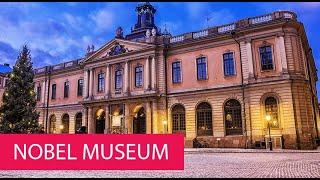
pixel 139 122
pixel 100 121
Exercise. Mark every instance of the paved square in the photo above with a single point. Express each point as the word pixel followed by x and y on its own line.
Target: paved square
pixel 212 164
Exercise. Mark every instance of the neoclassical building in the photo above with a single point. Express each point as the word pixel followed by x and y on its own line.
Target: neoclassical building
pixel 226 85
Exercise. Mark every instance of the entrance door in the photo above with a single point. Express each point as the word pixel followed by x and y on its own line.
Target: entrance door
pixel 100 123
pixel 139 122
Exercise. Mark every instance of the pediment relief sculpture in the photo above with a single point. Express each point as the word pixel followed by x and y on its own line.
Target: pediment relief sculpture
pixel 117 49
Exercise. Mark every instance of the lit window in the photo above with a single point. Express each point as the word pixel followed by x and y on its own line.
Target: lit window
pixel 176 72
pixel 228 64
pixel 266 58
pixel 204 120
pixel 202 68
pixel 271 108
pixel 178 119
pixel 233 121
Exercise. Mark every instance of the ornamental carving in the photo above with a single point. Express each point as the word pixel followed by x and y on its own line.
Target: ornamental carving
pixel 117 49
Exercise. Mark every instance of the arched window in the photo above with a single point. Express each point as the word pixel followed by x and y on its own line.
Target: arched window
pixel 52 127
pixel 178 119
pixel 78 121
pixel 271 108
pixel 204 119
pixel 65 124
pixel 232 116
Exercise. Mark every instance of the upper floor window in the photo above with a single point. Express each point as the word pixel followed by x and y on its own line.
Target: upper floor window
pixel 202 68
pixel 138 76
pixel 66 89
pixel 228 64
pixel 80 87
pixel 0 81
pixel 118 79
pixel 101 82
pixel 38 93
pixel 266 57
pixel 54 91
pixel 176 72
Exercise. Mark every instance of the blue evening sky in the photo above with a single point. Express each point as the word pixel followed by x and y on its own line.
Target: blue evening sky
pixel 59 32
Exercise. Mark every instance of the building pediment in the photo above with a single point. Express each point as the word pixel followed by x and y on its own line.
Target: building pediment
pixel 116 47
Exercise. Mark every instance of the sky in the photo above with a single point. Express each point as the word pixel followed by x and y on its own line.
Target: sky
pixel 60 32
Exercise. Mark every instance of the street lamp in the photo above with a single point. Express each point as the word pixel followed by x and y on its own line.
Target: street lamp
pixel 165 122
pixel 268 118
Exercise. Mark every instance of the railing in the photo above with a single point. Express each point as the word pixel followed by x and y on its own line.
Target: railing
pixel 278 15
pixel 261 19
pixel 57 67
pixel 226 28
pixel 176 39
pixel 200 34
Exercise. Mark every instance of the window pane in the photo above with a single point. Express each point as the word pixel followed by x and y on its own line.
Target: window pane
pixel 101 82
pixel 204 120
pixel 138 76
pixel 271 108
pixel 233 120
pixel 266 58
pixel 176 72
pixel 201 68
pixel 228 63
pixel 118 80
pixel 80 87
pixel 66 89
pixel 54 89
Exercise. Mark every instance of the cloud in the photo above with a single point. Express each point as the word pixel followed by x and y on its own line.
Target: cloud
pixel 103 19
pixel 7 53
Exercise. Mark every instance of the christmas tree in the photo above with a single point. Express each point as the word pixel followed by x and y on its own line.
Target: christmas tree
pixel 18 111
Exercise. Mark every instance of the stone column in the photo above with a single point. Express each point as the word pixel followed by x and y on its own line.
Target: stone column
pixel 43 93
pixel 126 78
pixel 153 73
pixel 90 121
pixel 249 56
pixel 107 82
pixel 283 54
pixel 127 116
pixel 147 75
pixel 91 83
pixel 107 123
pixel 85 117
pixel 155 118
pixel 148 118
pixel 86 83
pixel 169 120
pixel 277 55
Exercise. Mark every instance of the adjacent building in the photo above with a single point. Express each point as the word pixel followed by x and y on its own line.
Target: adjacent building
pixel 226 85
pixel 4 70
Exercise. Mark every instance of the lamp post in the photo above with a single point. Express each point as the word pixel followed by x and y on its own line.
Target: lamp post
pixel 268 118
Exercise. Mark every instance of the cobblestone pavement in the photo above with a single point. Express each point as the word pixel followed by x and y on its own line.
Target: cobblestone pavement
pixel 212 164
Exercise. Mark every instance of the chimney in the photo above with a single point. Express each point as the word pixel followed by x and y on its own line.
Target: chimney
pixel 6 64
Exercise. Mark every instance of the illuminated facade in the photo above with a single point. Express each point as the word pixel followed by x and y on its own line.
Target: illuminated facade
pixel 218 84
